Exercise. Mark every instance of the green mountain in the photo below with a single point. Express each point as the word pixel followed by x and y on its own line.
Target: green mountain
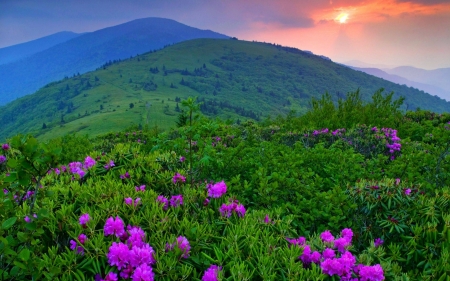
pixel 234 79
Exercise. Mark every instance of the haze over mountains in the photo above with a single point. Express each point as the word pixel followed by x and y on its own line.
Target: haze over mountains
pixel 89 51
pixel 233 79
pixel 434 82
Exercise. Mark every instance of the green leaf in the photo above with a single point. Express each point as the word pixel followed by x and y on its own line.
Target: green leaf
pixel 14 271
pixel 9 223
pixel 24 254
pixel 12 163
pixel 43 213
pixel 31 226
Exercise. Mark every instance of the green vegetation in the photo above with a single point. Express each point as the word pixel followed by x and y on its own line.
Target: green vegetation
pixel 365 172
pixel 233 79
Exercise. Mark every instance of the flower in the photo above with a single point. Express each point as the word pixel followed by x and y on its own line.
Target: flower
pixel 408 191
pixel 118 255
pixel 84 218
pixel 328 254
pixel 82 238
pixel 178 178
pixel 217 190
pixel 2 159
pixel 143 273
pixel 327 237
pixel 225 210
pixel 183 245
pixel 347 233
pixel 182 158
pixel 298 242
pixel 73 247
pixel 211 273
pixel 5 146
pixel 140 188
pixel 125 176
pixel 128 201
pixel 378 242
pixel 109 165
pixel 267 219
pixel 112 276
pixel 114 227
pixel 240 210
pixel 371 273
pixel 89 162
pixel 164 201
pixel 341 244
pixel 137 236
pixel 397 181
pixel 176 200
pixel 27 219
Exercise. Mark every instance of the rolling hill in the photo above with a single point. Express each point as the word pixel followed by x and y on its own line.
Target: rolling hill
pixel 90 50
pixel 234 80
pixel 20 51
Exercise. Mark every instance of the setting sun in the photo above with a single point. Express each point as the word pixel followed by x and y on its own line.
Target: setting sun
pixel 342 18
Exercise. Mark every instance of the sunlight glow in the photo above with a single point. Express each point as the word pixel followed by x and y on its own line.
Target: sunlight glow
pixel 342 18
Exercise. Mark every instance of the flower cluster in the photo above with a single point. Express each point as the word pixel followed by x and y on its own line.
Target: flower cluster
pixel 125 176
pixel 109 165
pixel 178 178
pixel 211 274
pixel 227 209
pixel 84 219
pixel 393 143
pixel 80 168
pixel 130 202
pixel 182 244
pixel 140 188
pixel 216 190
pixel 341 263
pixel 74 245
pixel 175 201
pixel 5 146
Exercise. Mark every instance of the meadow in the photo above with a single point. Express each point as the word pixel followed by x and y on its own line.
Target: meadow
pixel 352 190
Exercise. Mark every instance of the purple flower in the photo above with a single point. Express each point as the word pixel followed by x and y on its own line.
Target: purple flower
pixel 27 219
pixel 178 178
pixel 137 236
pixel 73 247
pixel 297 242
pixel 327 237
pixel 306 255
pixel 217 190
pixel 267 219
pixel 164 201
pixel 118 255
pixel 347 233
pixel 143 273
pixel 341 244
pixel 142 255
pixel 397 181
pixel 128 201
pixel 328 253
pixel 140 188
pixel 371 273
pixel 378 242
pixel 5 146
pixel 183 245
pixel 116 227
pixel 408 191
pixel 240 210
pixel 112 276
pixel 206 202
pixel 84 219
pixel 225 210
pixel 109 165
pixel 211 273
pixel 89 162
pixel 176 200
pixel 82 238
pixel 125 176
pixel 182 158
pixel 2 159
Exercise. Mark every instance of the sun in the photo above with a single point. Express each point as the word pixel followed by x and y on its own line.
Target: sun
pixel 342 18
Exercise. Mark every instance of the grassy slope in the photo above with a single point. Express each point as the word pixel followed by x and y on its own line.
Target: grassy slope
pixel 260 78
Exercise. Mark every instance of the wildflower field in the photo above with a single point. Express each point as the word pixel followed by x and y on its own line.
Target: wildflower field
pixel 354 191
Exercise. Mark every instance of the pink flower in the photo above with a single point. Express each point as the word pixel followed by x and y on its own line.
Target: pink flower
pixel 297 242
pixel 408 191
pixel 140 188
pixel 378 242
pixel 341 244
pixel 182 158
pixel 128 201
pixel 267 219
pixel 143 273
pixel 164 201
pixel 116 227
pixel 109 165
pixel 27 219
pixel 183 245
pixel 217 190
pixel 82 238
pixel 328 253
pixel 5 146
pixel 125 176
pixel 137 236
pixel 118 255
pixel 142 255
pixel 240 210
pixel 371 273
pixel 178 178
pixel 84 219
pixel 176 200
pixel 327 237
pixel 2 159
pixel 111 277
pixel 211 273
pixel 89 162
pixel 397 181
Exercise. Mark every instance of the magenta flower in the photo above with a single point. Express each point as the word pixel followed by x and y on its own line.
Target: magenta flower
pixel 27 219
pixel 82 238
pixel 112 276
pixel 164 201
pixel 84 219
pixel 371 273
pixel 217 190
pixel 74 246
pixel 178 178
pixel 327 237
pixel 118 255
pixel 89 162
pixel 306 255
pixel 408 191
pixel 267 219
pixel 183 245
pixel 136 237
pixel 225 210
pixel 240 210
pixel 142 255
pixel 397 181
pixel 176 200
pixel 125 176
pixel 182 159
pixel 128 201
pixel 115 227
pixel 378 242
pixel 5 146
pixel 297 242
pixel 341 244
pixel 140 188
pixel 143 273
pixel 109 165
pixel 2 159
pixel 328 253
pixel 211 273
pixel 206 202
pixel 347 233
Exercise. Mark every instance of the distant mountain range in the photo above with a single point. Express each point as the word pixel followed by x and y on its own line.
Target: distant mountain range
pixel 20 51
pixel 67 56
pixel 233 79
pixel 434 82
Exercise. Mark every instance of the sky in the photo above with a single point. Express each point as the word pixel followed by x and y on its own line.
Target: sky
pixel 382 32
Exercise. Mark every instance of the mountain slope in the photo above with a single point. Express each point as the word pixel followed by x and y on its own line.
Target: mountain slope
pixel 20 51
pixel 431 89
pixel 234 79
pixel 88 51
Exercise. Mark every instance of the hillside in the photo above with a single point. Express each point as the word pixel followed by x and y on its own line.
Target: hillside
pixel 234 80
pixel 88 51
pixel 16 52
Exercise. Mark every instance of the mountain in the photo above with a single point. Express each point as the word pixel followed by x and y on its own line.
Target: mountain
pixel 361 64
pixel 431 89
pixel 20 51
pixel 88 51
pixel 437 77
pixel 233 79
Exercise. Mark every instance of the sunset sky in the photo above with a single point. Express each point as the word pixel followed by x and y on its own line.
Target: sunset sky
pixel 387 32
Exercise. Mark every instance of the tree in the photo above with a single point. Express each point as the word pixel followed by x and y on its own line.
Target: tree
pixel 44 126
pixel 101 107
pixel 131 105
